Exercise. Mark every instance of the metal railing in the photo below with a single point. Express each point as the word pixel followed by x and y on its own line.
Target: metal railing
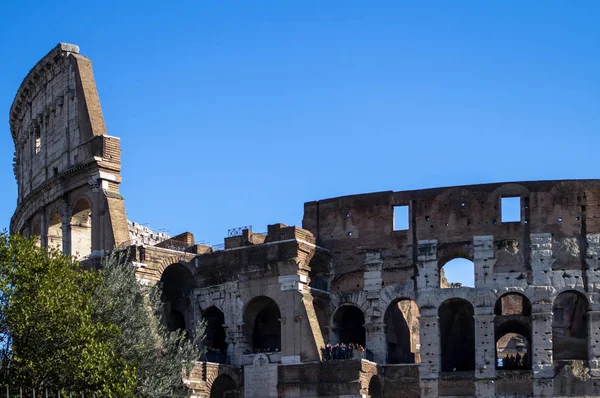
pixel 21 392
pixel 238 231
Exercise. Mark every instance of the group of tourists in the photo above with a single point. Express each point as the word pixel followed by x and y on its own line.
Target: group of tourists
pixel 513 361
pixel 343 351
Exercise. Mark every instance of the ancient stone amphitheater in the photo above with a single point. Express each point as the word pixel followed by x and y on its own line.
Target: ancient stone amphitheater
pixel 363 269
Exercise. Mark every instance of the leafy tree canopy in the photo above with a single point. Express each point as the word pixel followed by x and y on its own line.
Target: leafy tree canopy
pixel 75 329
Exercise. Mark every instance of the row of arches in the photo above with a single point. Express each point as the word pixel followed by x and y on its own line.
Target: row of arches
pixel 456 322
pixel 79 225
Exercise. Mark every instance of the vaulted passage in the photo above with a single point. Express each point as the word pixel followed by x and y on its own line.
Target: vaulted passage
pixel 513 352
pixel 349 325
pixel 375 390
pixel 55 235
pixel 457 335
pixel 402 332
pixel 223 387
pixel 569 326
pixel 81 229
pixel 512 331
pixel 215 332
pixel 177 285
pixel 262 324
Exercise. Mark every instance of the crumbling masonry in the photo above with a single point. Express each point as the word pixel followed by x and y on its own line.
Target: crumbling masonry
pixel 349 275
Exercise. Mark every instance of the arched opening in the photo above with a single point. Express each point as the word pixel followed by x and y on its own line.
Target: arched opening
pixel 81 229
pixel 215 340
pixel 177 284
pixel 55 236
pixel 402 332
pixel 349 323
pixel 512 352
pixel 569 326
pixel 375 390
pixel 457 335
pixel 512 331
pixel 263 324
pixel 458 272
pixel 36 233
pixel 223 387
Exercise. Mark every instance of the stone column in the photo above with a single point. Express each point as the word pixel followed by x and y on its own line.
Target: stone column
pixel 485 346
pixel 376 341
pixel 429 275
pixel 66 226
pixel 593 338
pixel 43 228
pixel 429 333
pixel 483 258
pixel 375 338
pixel 541 343
pixel 541 259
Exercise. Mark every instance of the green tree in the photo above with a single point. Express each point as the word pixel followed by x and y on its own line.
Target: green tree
pixel 66 327
pixel 49 336
pixel 159 356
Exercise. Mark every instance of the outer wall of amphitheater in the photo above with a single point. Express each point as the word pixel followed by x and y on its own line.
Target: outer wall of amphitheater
pixel 368 270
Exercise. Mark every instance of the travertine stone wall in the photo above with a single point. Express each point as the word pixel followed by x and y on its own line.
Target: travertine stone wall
pixel 63 155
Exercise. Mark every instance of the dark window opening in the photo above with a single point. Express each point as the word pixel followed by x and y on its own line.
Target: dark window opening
pixel 349 324
pixel 263 325
pixel 569 327
pixel 215 332
pixel 457 335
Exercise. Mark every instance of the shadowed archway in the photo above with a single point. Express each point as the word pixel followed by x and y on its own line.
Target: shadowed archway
pixel 457 335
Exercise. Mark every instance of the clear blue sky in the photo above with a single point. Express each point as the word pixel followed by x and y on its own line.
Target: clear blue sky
pixel 234 113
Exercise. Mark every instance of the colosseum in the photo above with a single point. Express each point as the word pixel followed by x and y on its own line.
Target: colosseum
pixel 352 304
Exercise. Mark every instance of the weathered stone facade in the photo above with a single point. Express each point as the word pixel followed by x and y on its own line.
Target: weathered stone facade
pixel 347 276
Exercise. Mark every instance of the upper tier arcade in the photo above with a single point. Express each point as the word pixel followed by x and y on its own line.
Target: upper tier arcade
pixel 67 167
pixel 455 218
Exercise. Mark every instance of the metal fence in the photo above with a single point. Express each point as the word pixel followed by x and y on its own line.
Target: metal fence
pixel 23 392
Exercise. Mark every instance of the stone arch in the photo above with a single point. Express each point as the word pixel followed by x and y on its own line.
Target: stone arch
pixel 375 388
pixel 457 335
pixel 36 230
pixel 513 331
pixel 262 324
pixel 402 331
pixel 177 284
pixel 55 231
pixel 81 228
pixel 569 326
pixel 223 386
pixel 167 262
pixel 349 325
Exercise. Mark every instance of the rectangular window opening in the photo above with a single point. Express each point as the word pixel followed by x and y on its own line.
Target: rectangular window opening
pixel 511 209
pixel 38 141
pixel 401 222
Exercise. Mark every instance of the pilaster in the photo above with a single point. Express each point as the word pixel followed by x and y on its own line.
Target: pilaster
pixel 428 276
pixel 485 355
pixel 541 325
pixel 483 258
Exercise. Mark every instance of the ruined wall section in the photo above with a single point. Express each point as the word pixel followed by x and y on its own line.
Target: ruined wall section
pixel 63 155
pixel 353 226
